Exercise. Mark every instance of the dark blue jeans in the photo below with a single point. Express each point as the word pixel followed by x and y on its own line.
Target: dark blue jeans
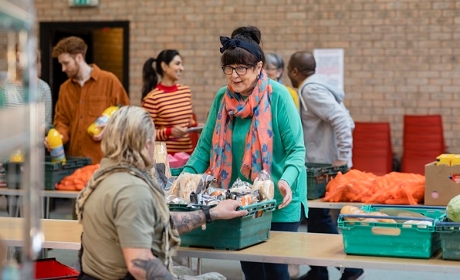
pixel 320 221
pixel 269 271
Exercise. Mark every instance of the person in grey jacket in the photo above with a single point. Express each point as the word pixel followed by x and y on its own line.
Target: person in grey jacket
pixel 327 127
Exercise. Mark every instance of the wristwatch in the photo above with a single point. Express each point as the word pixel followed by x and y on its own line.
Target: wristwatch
pixel 207 214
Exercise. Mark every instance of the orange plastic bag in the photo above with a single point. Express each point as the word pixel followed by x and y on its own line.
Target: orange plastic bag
pixel 78 179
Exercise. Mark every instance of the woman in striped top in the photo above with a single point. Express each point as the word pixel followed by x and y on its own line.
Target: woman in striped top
pixel 169 103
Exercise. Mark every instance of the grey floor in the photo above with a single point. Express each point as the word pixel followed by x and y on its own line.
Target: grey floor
pixel 231 269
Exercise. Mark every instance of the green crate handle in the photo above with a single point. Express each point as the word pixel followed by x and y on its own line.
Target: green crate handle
pixel 442 225
pixel 321 169
pixel 266 206
pixel 420 207
pixel 385 217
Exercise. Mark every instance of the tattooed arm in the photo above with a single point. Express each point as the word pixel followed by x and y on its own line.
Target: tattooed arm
pixel 142 264
pixel 186 221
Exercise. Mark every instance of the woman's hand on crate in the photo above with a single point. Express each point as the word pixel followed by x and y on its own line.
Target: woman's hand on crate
pixel 286 192
pixel 227 209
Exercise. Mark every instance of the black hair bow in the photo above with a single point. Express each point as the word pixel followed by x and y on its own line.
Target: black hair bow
pixel 228 42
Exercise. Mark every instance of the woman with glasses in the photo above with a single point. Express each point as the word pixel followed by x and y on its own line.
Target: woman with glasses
pixel 274 67
pixel 253 125
pixel 169 103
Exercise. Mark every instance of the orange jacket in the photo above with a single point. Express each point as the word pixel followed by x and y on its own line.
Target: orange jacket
pixel 77 107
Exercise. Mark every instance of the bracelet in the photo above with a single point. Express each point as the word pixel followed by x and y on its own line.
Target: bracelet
pixel 207 213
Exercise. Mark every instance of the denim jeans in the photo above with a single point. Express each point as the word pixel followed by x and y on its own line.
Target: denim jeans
pixel 320 221
pixel 269 271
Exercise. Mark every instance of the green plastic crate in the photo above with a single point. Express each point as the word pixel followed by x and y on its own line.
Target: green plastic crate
pixel 55 172
pixel 318 175
pixel 449 233
pixel 231 234
pixel 13 173
pixel 392 239
pixel 434 212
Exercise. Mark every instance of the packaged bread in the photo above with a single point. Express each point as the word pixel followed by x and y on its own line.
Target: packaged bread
pixel 353 210
pixel 348 209
pixel 264 185
pixel 186 184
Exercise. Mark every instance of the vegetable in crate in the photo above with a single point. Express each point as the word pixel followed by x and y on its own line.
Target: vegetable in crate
pixel 78 179
pixel 453 209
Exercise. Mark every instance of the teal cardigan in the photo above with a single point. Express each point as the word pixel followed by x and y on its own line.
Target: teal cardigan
pixel 288 150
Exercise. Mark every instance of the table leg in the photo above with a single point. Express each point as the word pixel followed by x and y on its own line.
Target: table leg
pixel 47 207
pixel 198 266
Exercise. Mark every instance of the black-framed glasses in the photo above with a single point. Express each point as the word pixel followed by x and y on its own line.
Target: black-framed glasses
pixel 240 70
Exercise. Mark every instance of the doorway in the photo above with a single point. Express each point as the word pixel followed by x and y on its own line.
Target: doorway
pixel 108 48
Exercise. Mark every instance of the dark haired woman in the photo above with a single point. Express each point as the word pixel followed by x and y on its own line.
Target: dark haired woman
pixel 169 103
pixel 253 125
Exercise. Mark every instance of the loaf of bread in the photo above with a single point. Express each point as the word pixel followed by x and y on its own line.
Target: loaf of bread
pixel 348 209
pixel 184 185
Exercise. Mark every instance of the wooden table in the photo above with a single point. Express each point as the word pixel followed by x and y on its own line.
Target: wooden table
pixel 57 234
pixel 282 247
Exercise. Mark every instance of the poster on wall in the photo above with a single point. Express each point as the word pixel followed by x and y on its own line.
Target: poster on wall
pixel 329 64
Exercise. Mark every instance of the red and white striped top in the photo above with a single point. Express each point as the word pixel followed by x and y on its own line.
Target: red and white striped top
pixel 170 106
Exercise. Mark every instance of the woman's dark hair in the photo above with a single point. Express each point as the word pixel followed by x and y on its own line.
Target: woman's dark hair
pixel 238 55
pixel 149 75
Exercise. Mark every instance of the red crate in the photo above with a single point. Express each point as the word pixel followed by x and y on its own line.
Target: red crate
pixel 51 269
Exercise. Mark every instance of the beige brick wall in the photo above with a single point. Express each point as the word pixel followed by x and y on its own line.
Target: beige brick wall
pixel 401 56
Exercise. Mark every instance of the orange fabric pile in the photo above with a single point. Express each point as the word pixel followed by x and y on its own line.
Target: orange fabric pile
pixel 78 179
pixel 392 188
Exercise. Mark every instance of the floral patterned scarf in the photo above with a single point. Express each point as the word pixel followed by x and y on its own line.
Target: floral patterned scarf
pixel 259 141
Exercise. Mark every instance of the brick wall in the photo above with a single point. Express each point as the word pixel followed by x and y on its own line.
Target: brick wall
pixel 401 56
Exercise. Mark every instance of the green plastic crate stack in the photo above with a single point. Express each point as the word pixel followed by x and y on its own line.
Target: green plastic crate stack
pixel 392 239
pixel 55 172
pixel 231 234
pixel 449 233
pixel 318 175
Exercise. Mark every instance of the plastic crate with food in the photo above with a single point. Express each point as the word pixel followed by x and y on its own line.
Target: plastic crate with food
pixel 318 175
pixel 230 234
pixel 392 231
pixel 48 269
pixel 449 233
pixel 56 171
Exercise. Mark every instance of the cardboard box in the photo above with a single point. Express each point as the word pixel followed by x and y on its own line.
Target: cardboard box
pixel 440 185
